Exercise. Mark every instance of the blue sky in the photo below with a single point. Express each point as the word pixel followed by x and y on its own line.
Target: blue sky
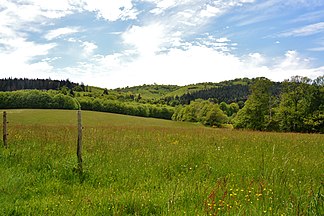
pixel 117 43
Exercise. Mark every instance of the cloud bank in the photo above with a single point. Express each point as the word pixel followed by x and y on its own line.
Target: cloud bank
pixel 156 41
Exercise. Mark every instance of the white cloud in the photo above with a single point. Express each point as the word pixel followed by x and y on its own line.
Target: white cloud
pixel 310 17
pixel 247 1
pixel 146 39
pixel 223 40
pixel 210 11
pixel 164 5
pixel 170 28
pixel 255 59
pixel 293 61
pixel 220 44
pixel 17 20
pixel 112 10
pixel 168 46
pixel 35 10
pixel 305 30
pixel 88 48
pixel 266 10
pixel 192 12
pixel 56 33
pixel 195 64
pixel 317 49
pixel 18 59
pixel 16 46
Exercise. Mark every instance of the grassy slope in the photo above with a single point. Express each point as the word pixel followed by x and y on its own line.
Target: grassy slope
pixel 149 91
pixel 149 166
pixel 187 89
pixel 208 85
pixel 160 91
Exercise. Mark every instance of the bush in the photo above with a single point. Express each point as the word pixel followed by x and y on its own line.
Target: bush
pixel 201 111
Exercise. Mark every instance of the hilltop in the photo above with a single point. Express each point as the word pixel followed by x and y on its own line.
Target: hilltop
pixel 227 91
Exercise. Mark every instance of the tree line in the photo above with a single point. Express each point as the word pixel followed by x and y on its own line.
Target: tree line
pixel 227 94
pixel 40 84
pixel 298 108
pixel 295 105
pixel 36 99
pixel 127 108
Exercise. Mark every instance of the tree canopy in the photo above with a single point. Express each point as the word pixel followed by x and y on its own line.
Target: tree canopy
pixel 298 108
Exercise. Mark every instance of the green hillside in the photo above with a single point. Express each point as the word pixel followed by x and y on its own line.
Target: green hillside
pixel 147 93
pixel 161 91
pixel 143 166
pixel 295 105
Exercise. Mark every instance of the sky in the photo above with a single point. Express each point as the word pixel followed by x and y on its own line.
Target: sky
pixel 119 43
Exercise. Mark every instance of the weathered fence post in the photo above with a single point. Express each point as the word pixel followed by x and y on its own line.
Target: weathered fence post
pixel 5 134
pixel 79 147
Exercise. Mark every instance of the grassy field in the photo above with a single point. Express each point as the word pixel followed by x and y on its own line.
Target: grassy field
pixel 141 166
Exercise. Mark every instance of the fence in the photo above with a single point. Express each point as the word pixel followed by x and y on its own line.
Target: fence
pixel 79 142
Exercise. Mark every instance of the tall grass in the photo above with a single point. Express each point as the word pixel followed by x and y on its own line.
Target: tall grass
pixel 141 166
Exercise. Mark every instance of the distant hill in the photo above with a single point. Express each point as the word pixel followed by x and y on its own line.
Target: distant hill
pixel 149 91
pixel 236 90
pixel 228 91
pixel 294 105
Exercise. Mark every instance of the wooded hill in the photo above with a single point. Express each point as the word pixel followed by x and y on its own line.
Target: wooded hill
pixel 295 105
pixel 227 91
pixel 230 91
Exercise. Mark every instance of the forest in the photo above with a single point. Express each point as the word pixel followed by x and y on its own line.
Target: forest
pixel 295 105
pixel 298 108
pixel 40 84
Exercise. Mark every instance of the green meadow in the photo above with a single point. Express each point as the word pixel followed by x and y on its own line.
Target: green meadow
pixel 143 166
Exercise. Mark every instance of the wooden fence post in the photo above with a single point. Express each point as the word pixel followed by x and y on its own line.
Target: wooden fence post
pixel 5 134
pixel 79 147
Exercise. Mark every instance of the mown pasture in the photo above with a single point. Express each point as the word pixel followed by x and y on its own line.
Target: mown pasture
pixel 143 166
